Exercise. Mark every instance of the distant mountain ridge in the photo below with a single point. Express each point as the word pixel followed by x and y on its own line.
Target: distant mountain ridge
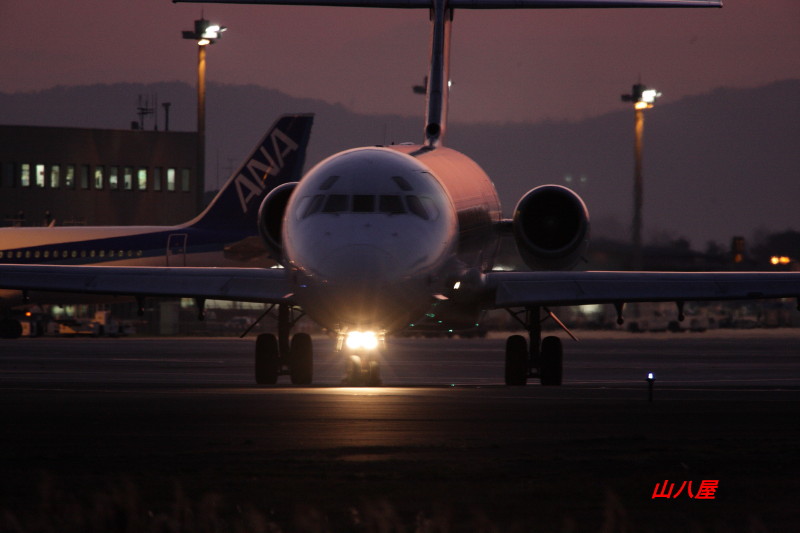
pixel 716 165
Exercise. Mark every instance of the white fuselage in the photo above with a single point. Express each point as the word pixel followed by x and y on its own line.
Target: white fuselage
pixel 372 235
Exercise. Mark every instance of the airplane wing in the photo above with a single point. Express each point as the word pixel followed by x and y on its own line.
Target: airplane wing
pixel 521 289
pixel 240 284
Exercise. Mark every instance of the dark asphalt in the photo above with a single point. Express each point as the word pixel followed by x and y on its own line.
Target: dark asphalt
pixel 171 435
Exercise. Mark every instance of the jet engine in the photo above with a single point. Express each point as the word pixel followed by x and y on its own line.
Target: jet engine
pixel 270 219
pixel 551 228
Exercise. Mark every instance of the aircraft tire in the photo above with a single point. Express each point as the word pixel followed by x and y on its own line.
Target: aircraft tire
pixel 516 372
pixel 374 374
pixel 353 374
pixel 301 359
pixel 552 361
pixel 267 359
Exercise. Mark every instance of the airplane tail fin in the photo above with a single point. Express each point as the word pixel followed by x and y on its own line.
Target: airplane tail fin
pixel 277 159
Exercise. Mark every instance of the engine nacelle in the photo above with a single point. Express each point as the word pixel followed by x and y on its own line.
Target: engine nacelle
pixel 551 227
pixel 270 219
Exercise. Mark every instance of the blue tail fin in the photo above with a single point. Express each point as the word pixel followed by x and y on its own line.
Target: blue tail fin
pixel 278 158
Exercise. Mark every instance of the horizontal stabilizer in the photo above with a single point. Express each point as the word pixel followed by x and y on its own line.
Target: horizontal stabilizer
pixel 474 4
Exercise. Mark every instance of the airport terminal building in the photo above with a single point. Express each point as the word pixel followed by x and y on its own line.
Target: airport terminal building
pixel 81 176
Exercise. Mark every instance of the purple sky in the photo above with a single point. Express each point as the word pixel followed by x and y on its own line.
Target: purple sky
pixel 506 65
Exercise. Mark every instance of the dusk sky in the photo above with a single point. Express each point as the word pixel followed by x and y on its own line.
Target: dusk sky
pixel 506 66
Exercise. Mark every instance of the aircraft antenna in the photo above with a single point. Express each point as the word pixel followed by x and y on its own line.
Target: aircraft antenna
pixel 144 108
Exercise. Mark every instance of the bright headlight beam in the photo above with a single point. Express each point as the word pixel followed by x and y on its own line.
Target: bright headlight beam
pixel 362 340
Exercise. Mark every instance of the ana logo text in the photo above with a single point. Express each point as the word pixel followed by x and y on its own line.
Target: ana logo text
pixel 263 164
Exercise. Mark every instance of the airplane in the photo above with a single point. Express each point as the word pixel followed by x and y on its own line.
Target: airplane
pixel 221 235
pixel 374 239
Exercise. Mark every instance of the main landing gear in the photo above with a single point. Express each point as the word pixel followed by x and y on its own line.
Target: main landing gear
pixel 277 356
pixel 534 357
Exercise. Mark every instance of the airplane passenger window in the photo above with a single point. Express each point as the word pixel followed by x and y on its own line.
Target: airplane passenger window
pixel 328 183
pixel 336 203
pixel 402 183
pixel 416 207
pixel 363 203
pixel 391 204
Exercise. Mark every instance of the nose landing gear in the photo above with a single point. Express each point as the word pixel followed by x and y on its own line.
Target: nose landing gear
pixel 362 372
pixel 362 365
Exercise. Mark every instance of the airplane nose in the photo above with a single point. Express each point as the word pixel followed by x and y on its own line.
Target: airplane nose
pixel 364 264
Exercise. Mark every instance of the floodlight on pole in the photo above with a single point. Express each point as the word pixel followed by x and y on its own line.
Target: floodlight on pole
pixel 204 33
pixel 642 98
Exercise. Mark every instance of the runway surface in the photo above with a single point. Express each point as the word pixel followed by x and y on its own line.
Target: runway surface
pixel 171 434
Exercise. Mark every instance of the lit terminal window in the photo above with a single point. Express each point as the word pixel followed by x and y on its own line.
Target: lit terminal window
pixel 141 179
pixel 69 177
pixel 40 176
pixel 99 172
pixel 55 177
pixel 113 178
pixel 25 175
pixel 127 178
pixel 170 179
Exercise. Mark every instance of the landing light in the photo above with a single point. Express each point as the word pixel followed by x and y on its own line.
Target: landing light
pixel 366 340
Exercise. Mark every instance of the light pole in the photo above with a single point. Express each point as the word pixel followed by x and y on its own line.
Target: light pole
pixel 642 98
pixel 204 33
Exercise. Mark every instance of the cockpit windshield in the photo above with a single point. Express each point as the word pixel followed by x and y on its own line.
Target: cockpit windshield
pixel 389 204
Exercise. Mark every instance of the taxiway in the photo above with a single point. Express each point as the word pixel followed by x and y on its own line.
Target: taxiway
pixel 172 431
